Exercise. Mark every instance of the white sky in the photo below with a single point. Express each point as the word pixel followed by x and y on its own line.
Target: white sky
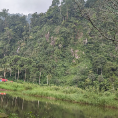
pixel 25 6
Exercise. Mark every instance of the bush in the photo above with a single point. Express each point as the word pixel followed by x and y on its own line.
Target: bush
pixel 116 94
pixel 107 93
pixel 28 87
pixel 55 88
pixel 13 115
pixel 102 102
pixel 85 95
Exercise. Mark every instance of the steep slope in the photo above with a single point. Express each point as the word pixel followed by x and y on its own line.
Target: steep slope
pixel 58 47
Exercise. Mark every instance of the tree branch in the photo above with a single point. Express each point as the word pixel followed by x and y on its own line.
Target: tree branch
pixel 86 15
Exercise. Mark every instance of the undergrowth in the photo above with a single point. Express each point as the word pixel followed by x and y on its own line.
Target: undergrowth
pixel 72 94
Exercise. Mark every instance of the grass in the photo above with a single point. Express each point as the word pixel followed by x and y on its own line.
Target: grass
pixel 71 94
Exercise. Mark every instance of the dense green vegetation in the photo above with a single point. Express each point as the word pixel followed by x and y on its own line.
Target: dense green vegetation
pixel 61 47
pixel 70 94
pixel 33 107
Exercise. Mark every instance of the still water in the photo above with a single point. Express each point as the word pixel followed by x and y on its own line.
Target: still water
pixel 40 108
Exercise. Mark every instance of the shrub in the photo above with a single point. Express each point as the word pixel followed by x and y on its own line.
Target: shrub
pixel 85 95
pixel 107 93
pixel 55 88
pixel 116 94
pixel 13 115
pixel 28 87
pixel 102 102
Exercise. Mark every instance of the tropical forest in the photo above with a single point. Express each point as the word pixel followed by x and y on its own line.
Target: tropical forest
pixel 69 53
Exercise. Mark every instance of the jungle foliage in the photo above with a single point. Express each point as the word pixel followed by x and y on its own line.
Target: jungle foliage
pixel 61 46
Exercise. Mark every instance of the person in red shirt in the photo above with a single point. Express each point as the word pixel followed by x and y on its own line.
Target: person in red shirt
pixel 4 80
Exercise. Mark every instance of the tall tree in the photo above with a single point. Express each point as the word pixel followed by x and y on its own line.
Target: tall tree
pixel 4 15
pixel 102 17
pixel 55 3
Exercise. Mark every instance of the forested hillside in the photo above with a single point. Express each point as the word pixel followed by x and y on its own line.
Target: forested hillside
pixel 61 46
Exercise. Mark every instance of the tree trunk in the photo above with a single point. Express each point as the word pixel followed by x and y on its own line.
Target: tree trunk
pixel 113 86
pixel 47 80
pixel 22 103
pixel 15 101
pixel 15 75
pixel 63 19
pixel 39 78
pixel 18 74
pixel 10 73
pixel 25 75
pixel 38 103
pixel 97 70
pixel 67 13
pixel 4 74
pixel 101 71
pixel 60 10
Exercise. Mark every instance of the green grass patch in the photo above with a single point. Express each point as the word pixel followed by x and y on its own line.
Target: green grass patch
pixel 72 94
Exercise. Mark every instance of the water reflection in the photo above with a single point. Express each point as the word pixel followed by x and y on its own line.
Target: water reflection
pixel 40 109
pixel 37 108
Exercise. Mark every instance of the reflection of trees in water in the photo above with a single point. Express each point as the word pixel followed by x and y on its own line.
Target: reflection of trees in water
pixel 22 103
pixel 38 103
pixel 43 109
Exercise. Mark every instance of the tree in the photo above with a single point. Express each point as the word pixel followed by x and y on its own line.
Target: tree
pixel 34 19
pixel 55 3
pixel 98 63
pixel 102 16
pixel 92 77
pixel 90 3
pixel 6 38
pixel 6 65
pixel 67 10
pixel 4 15
pixel 33 72
pixel 110 69
pixel 26 64
pixel 40 67
pixel 49 76
pixel 15 64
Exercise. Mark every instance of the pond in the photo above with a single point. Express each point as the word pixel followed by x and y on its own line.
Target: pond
pixel 45 108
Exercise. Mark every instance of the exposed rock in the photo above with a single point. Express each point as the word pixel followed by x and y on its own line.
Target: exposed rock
pixel 60 45
pixel 74 61
pixel 79 35
pixel 72 52
pixel 18 49
pixel 52 41
pixel 85 41
pixel 47 36
pixel 76 56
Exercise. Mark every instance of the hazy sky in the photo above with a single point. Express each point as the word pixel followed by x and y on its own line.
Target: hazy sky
pixel 25 6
